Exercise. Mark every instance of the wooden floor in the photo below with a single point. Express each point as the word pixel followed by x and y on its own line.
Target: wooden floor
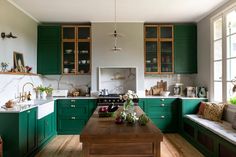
pixel 69 146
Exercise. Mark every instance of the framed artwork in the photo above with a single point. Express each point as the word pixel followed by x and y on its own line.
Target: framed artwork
pixel 19 62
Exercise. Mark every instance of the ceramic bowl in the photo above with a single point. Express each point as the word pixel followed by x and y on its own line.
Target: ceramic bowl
pixel 165 93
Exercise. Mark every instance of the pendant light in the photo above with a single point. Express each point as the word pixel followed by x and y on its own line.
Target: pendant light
pixel 115 34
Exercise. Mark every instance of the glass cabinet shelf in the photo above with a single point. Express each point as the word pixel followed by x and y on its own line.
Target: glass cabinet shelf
pixel 158 41
pixel 76 49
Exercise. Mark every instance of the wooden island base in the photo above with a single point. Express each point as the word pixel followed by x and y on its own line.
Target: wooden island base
pixel 101 137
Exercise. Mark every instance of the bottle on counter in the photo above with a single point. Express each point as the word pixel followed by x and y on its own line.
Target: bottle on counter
pixel 29 96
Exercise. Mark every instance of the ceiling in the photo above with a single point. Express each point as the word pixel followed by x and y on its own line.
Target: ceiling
pixel 127 10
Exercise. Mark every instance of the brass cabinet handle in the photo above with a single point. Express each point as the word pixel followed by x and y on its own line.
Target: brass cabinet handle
pixel 162 99
pixel 162 105
pixel 28 111
pixel 72 100
pixel 72 106
pixel 73 118
pixel 162 117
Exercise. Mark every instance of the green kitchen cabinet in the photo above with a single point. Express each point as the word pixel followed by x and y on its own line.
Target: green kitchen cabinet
pixel 46 129
pixel 185 48
pixel 187 106
pixel 73 114
pixel 141 103
pixel 19 132
pixel 163 112
pixel 49 50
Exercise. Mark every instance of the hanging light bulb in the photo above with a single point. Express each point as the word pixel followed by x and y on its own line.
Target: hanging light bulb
pixel 115 34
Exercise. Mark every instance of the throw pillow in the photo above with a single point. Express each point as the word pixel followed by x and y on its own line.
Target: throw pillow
pixel 201 108
pixel 234 122
pixel 213 111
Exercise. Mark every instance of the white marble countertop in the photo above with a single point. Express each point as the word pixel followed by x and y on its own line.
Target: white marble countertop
pixel 79 97
pixel 23 106
pixel 175 97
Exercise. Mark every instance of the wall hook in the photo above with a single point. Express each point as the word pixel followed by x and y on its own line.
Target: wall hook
pixel 10 35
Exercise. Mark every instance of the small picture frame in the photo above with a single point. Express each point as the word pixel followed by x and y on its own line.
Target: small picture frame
pixel 19 62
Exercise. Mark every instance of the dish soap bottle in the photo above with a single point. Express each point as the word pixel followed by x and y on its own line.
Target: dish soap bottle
pixel 29 97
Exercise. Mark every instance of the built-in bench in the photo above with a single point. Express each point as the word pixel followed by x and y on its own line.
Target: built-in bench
pixel 213 139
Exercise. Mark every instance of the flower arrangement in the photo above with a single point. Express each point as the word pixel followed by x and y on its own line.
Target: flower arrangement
pixel 128 97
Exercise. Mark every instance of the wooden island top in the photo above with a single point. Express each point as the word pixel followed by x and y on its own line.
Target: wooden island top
pixel 102 137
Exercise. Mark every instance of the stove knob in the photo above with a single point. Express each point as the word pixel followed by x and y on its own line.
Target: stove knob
pixel 114 100
pixel 105 100
pixel 118 100
pixel 109 100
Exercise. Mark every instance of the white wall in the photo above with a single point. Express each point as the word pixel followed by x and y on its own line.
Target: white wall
pixel 13 20
pixel 132 53
pixel 204 47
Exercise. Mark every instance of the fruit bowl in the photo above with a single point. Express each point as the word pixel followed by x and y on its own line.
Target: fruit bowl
pixel 104 112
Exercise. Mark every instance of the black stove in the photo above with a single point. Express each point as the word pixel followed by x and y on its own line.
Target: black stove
pixel 105 100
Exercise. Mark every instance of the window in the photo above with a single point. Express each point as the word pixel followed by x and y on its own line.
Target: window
pixel 224 55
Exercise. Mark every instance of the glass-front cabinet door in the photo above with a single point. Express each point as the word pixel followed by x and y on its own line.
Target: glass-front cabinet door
pixel 151 57
pixel 76 49
pixel 151 49
pixel 68 49
pixel 159 54
pixel 84 52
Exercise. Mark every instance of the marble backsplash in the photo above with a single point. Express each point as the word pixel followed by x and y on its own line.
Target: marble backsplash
pixel 186 79
pixel 12 85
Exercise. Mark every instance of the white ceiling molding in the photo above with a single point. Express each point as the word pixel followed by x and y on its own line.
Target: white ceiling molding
pixel 21 9
pixel 127 10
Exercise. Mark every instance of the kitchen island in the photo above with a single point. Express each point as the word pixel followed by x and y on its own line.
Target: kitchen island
pixel 102 137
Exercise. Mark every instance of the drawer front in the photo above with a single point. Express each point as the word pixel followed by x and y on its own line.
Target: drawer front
pixel 73 110
pixel 164 122
pixel 157 110
pixel 159 101
pixel 76 102
pixel 71 125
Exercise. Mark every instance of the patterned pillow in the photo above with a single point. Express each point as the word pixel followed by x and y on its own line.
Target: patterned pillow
pixel 213 111
pixel 201 108
pixel 234 122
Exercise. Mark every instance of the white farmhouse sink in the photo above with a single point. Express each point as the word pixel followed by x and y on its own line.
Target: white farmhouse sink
pixel 45 109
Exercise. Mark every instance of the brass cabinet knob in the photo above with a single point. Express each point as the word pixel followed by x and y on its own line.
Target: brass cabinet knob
pixel 162 105
pixel 162 117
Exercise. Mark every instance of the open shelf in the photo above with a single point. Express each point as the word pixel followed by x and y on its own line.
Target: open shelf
pixel 18 73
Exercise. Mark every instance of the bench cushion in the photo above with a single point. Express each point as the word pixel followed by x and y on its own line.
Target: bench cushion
pixel 223 129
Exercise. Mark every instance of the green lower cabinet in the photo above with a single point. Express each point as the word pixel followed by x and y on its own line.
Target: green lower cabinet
pixel 19 133
pixel 71 125
pixel 164 123
pixel 46 128
pixel 141 103
pixel 73 114
pixel 163 113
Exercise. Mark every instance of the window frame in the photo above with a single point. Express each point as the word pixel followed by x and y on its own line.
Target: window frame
pixel 223 15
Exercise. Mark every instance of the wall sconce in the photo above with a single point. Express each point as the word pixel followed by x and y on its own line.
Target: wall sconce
pixel 4 35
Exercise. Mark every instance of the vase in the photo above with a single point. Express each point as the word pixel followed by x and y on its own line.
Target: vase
pixel 128 106
pixel 43 95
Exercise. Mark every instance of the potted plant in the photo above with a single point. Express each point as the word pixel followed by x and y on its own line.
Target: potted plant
pixel 43 91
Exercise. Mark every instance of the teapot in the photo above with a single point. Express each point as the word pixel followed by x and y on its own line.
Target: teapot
pixel 104 92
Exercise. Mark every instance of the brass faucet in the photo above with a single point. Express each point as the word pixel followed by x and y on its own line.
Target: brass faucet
pixel 23 95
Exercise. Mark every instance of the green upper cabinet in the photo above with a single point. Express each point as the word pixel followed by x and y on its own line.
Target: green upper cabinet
pixel 49 50
pixel 185 47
